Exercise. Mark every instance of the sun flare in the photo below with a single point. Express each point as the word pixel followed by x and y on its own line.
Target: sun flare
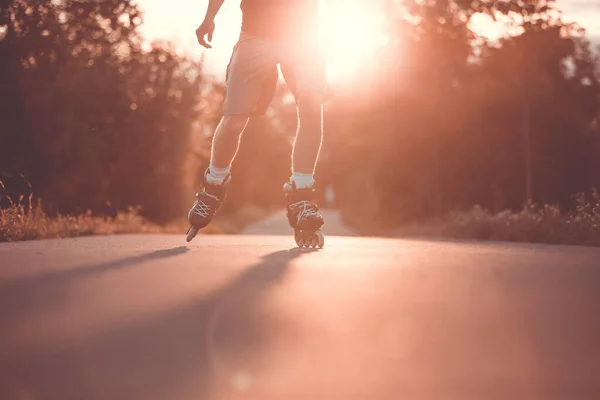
pixel 350 31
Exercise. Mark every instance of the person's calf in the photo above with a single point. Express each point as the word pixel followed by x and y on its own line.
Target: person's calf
pixel 308 137
pixel 225 146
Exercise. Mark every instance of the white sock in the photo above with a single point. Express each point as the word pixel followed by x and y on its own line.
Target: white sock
pixel 216 176
pixel 302 180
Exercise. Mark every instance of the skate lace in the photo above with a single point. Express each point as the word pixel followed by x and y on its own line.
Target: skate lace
pixel 203 209
pixel 306 209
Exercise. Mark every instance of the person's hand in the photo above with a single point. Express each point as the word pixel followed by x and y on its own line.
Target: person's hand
pixel 206 28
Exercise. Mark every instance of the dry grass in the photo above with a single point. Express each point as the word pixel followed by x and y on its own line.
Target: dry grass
pixel 534 223
pixel 18 223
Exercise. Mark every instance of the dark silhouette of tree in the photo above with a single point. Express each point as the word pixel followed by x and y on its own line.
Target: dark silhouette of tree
pixel 89 114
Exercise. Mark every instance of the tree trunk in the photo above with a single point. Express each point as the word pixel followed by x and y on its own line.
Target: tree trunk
pixel 527 150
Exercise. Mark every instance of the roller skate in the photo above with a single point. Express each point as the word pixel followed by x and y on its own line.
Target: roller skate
pixel 303 215
pixel 206 205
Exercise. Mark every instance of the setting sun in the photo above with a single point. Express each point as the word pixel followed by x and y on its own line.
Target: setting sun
pixel 349 34
pixel 350 31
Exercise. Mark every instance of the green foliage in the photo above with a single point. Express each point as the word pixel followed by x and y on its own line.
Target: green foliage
pixel 449 121
pixel 90 113
pixel 533 223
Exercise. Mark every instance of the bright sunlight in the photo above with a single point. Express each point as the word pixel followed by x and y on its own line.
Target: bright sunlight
pixel 350 31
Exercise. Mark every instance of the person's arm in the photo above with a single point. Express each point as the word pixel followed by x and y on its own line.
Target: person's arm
pixel 213 9
pixel 207 27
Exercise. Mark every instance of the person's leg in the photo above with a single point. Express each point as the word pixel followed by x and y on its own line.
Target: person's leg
pixel 250 72
pixel 305 74
pixel 249 81
pixel 307 144
pixel 225 145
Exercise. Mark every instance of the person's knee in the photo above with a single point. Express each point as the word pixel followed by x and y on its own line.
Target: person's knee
pixel 233 125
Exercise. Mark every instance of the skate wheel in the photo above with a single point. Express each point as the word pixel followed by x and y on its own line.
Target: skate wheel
pixel 306 240
pixel 191 234
pixel 301 242
pixel 299 238
pixel 320 242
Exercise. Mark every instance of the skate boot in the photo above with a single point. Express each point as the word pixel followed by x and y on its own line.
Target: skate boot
pixel 206 205
pixel 303 215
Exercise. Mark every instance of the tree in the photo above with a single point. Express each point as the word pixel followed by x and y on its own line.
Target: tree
pixel 461 120
pixel 91 114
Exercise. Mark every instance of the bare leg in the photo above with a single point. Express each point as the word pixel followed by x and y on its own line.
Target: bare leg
pixel 227 139
pixel 308 137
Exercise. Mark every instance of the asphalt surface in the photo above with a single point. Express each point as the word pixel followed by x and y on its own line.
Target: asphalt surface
pixel 277 224
pixel 250 317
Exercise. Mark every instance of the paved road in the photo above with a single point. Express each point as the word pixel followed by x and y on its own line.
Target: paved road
pixel 248 317
pixel 277 224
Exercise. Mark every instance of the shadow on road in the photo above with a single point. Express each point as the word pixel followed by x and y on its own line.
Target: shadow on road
pixel 35 293
pixel 166 355
pixel 88 269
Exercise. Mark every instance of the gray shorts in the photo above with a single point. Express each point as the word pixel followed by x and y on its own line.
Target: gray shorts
pixel 252 74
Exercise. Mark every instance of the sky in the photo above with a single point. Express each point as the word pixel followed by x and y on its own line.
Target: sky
pixel 177 20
